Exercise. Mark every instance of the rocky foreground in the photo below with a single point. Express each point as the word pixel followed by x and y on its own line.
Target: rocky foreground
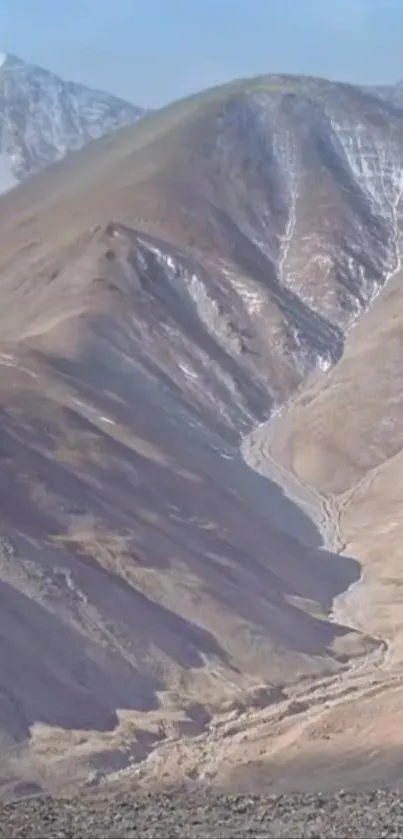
pixel 205 814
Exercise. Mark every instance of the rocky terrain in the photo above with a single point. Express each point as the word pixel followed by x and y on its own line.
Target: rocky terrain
pixel 42 118
pixel 187 307
pixel 208 814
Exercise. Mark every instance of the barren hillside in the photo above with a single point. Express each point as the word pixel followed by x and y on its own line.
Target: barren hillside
pixel 163 294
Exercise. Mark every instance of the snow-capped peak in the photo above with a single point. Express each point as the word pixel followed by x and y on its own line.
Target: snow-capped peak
pixel 42 117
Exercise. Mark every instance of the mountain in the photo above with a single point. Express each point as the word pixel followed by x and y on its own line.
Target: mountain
pixel 177 380
pixel 42 118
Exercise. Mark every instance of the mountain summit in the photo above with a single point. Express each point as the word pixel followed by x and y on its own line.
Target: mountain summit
pixel 42 118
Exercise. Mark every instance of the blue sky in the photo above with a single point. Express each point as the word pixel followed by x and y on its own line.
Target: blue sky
pixel 152 51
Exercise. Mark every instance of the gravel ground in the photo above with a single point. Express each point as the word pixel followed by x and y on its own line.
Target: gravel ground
pixel 205 814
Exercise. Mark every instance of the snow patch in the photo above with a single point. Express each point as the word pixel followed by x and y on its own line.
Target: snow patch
pixel 7 177
pixel 324 363
pixel 188 372
pixel 3 58
pixel 252 300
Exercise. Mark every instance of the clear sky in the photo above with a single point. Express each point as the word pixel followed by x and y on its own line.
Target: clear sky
pixel 152 51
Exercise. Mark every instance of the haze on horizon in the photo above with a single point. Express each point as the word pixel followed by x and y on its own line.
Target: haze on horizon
pixel 155 51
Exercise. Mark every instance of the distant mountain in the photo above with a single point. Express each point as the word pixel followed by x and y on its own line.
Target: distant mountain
pixel 42 118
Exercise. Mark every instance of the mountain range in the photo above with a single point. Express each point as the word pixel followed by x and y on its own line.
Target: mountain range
pixel 201 433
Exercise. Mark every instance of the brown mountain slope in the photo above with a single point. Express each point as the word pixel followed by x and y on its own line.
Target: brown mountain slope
pixel 161 293
pixel 345 438
pixel 342 437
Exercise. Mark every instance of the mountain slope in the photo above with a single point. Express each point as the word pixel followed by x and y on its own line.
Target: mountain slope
pixel 296 185
pixel 345 437
pixel 43 118
pixel 162 294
